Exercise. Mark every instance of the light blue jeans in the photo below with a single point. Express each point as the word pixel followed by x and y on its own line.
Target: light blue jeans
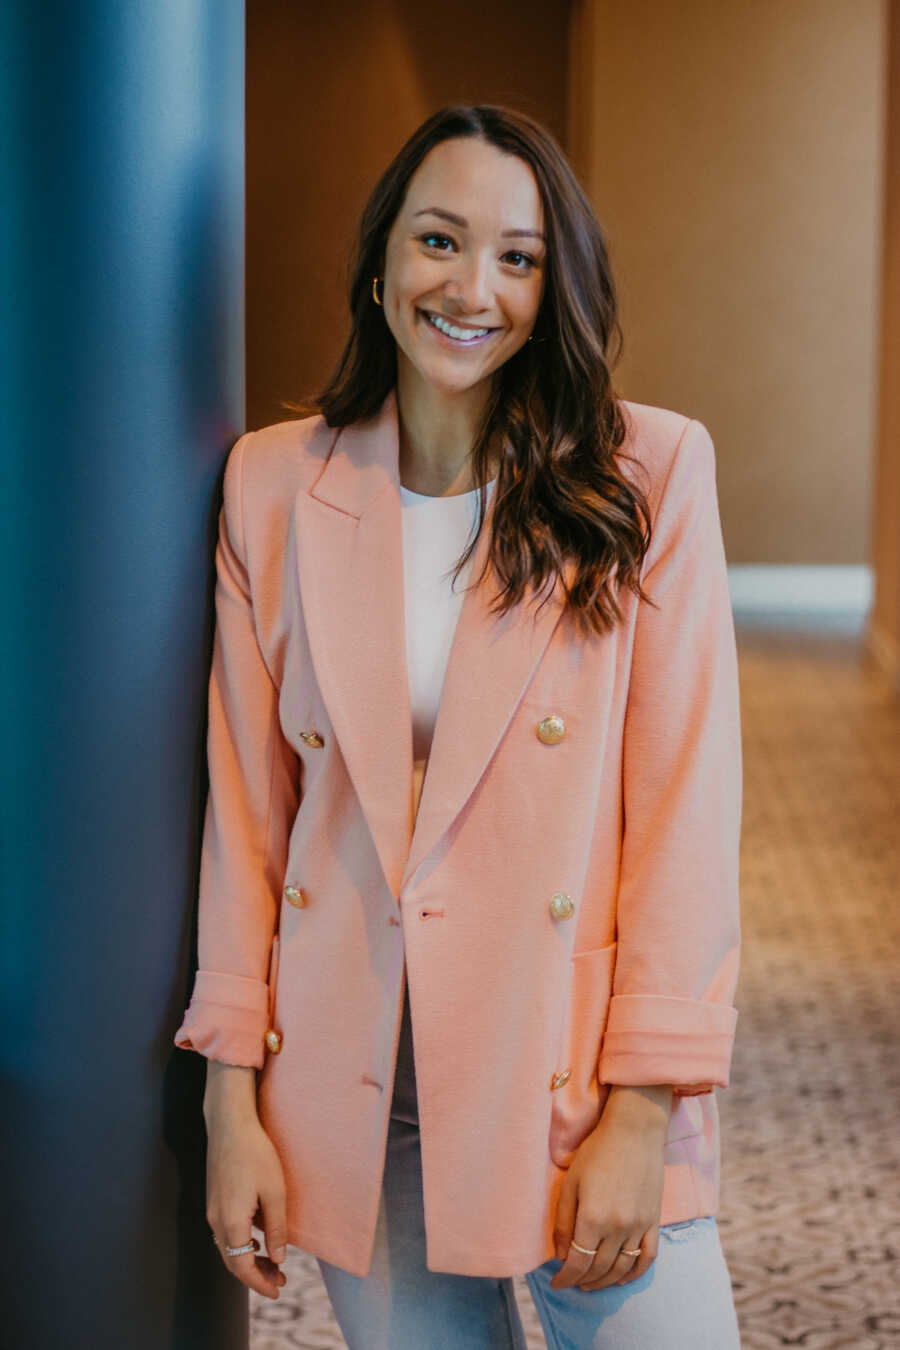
pixel 682 1302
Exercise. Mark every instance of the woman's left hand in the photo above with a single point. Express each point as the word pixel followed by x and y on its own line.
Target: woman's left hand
pixel 611 1198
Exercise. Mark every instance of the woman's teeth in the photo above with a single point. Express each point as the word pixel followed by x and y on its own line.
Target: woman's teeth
pixel 450 329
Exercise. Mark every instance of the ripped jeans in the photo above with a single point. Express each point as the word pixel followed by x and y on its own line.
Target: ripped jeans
pixel 682 1302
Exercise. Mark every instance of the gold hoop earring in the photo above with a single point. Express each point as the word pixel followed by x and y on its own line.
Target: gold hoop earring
pixel 375 281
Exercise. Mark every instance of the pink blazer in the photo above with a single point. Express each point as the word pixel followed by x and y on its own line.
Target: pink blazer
pixel 566 894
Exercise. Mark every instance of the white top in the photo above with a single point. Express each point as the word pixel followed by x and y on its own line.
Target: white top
pixel 435 532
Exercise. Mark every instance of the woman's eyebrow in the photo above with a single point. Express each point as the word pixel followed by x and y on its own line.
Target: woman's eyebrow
pixel 464 224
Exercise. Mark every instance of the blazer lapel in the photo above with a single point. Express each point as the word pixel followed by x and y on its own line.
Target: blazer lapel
pixel 350 566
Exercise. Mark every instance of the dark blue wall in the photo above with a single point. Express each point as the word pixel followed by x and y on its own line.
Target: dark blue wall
pixel 122 320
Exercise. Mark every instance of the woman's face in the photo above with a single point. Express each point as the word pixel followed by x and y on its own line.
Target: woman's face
pixel 482 269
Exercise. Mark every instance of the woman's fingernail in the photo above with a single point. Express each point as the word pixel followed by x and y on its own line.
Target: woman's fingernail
pixel 278 1254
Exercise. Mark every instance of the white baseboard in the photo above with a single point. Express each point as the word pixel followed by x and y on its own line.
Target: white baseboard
pixel 801 590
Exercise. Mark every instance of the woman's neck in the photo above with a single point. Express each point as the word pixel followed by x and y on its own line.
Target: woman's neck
pixel 436 435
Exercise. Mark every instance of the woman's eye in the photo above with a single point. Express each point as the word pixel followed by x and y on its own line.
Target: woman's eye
pixel 525 256
pixel 426 237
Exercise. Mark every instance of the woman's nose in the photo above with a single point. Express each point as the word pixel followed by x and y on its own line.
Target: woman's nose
pixel 469 290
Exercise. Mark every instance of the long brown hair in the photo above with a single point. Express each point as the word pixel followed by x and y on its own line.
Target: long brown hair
pixel 562 502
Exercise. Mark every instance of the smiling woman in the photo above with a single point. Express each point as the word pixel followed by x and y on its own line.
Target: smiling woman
pixel 480 224
pixel 459 302
pixel 489 856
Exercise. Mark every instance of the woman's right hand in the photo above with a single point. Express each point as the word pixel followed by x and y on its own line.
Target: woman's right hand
pixel 244 1178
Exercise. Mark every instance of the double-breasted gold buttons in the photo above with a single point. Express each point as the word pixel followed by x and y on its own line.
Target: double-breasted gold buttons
pixel 312 738
pixel 294 896
pixel 551 729
pixel 273 1040
pixel 559 1079
pixel 562 906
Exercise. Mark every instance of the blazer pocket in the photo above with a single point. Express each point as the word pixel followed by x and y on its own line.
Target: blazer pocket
pixel 273 975
pixel 576 1104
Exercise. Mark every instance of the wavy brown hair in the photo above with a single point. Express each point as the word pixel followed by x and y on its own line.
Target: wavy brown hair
pixel 562 502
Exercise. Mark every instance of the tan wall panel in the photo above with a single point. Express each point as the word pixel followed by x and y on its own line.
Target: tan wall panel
pixel 734 153
pixel 885 622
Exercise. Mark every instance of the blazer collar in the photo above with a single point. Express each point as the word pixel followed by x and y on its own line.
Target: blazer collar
pixel 350 567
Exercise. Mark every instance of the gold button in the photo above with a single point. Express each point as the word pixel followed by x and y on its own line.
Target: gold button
pixel 559 1078
pixel 294 896
pixel 561 905
pixel 273 1041
pixel 312 738
pixel 551 729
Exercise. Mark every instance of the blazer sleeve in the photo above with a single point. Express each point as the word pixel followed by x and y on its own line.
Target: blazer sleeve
pixel 671 1016
pixel 253 800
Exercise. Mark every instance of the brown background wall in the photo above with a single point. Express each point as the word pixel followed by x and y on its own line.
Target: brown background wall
pixel 735 154
pixel 884 636
pixel 333 91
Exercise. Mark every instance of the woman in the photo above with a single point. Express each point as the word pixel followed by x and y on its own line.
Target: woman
pixel 550 912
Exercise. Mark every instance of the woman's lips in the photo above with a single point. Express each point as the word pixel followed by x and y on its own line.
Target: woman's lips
pixel 458 344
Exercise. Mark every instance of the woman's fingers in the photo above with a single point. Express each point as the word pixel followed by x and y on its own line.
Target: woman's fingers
pixel 611 1263
pixel 649 1245
pixel 626 1269
pixel 271 1270
pixel 579 1266
pixel 566 1208
pixel 274 1217
pixel 256 1272
pixel 575 1267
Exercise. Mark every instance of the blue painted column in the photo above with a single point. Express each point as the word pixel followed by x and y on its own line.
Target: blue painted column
pixel 122 369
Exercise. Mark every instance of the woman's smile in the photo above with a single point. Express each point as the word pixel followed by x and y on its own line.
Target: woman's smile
pixel 453 334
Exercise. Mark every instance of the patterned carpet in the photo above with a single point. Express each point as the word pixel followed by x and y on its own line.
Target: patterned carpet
pixel 810 1217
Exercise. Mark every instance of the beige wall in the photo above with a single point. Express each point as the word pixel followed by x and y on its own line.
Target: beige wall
pixel 734 152
pixel 333 91
pixel 884 639
pixel 745 161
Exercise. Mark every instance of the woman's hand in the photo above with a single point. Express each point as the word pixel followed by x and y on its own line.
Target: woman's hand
pixel 611 1196
pixel 244 1184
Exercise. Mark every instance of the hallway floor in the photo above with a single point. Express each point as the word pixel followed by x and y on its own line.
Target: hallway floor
pixel 810 1213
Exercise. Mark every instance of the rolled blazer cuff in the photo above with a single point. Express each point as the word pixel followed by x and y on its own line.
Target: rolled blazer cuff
pixel 227 1019
pixel 656 1038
